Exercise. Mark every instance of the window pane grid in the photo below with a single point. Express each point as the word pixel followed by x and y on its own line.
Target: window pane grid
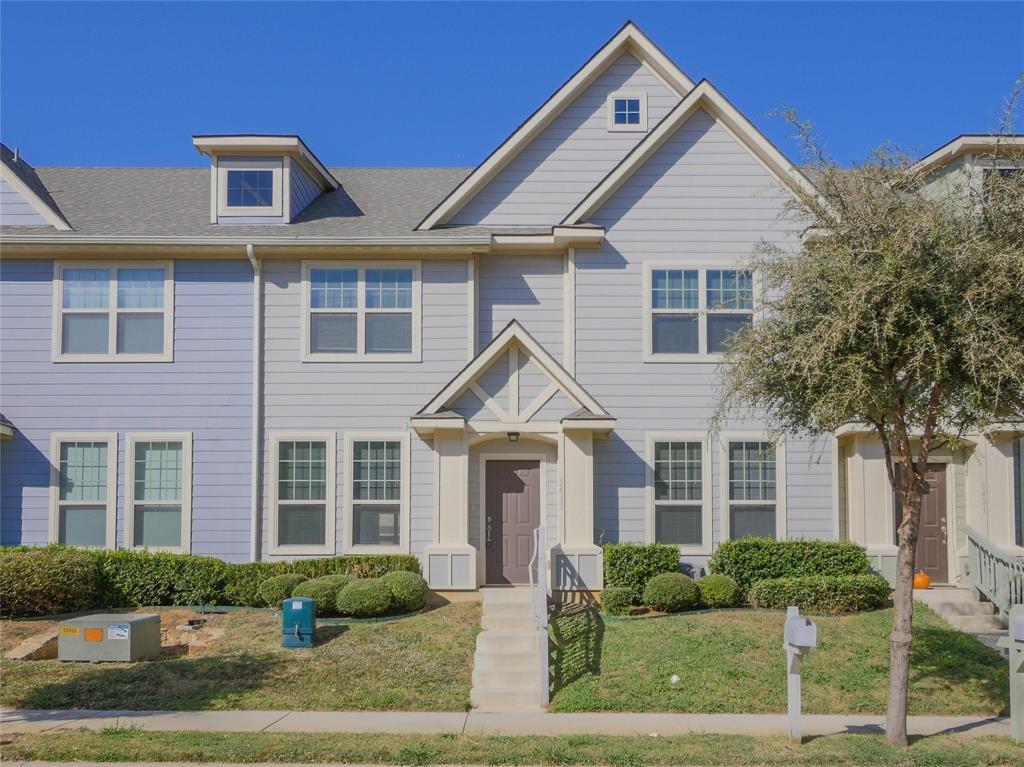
pixel 729 289
pixel 389 288
pixel 627 111
pixel 250 188
pixel 158 472
pixel 376 470
pixel 302 471
pixel 361 311
pixel 677 471
pixel 334 288
pixel 83 472
pixel 675 289
pixel 86 288
pixel 140 288
pixel 751 471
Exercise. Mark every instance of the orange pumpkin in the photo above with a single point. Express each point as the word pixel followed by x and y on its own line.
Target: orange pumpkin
pixel 921 580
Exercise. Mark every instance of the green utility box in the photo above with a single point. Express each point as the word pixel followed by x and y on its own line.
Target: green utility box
pixel 298 622
pixel 109 638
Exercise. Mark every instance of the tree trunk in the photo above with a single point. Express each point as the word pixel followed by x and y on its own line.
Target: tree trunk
pixel 899 638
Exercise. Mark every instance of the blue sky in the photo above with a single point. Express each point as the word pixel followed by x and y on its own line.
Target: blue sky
pixel 443 84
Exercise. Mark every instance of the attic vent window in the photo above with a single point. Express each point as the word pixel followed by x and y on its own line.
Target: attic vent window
pixel 627 112
pixel 250 188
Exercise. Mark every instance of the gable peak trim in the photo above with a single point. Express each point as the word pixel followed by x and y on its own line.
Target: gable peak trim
pixel 13 176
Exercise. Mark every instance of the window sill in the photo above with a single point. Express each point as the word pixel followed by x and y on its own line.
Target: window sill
pixel 161 549
pixel 290 551
pixel 650 357
pixel 329 357
pixel 356 549
pixel 129 358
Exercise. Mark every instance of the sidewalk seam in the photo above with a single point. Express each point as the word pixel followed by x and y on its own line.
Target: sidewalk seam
pixel 283 716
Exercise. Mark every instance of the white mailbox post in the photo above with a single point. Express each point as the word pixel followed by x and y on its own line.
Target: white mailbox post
pixel 1014 644
pixel 801 635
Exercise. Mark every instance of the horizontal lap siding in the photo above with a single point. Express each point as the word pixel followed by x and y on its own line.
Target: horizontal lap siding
pixel 15 210
pixel 523 288
pixel 357 396
pixel 701 196
pixel 569 157
pixel 206 390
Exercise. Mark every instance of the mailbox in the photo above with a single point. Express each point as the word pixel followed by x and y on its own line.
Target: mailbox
pixel 801 634
pixel 298 622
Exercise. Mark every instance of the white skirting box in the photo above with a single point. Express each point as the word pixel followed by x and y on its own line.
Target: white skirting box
pixel 577 567
pixel 449 566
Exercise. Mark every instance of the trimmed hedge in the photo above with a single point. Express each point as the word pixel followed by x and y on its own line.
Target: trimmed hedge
pixel 365 598
pixel 140 578
pixel 617 600
pixel 408 590
pixel 749 560
pixel 323 591
pixel 278 588
pixel 671 593
pixel 824 594
pixel 356 566
pixel 242 584
pixel 718 591
pixel 46 581
pixel 633 564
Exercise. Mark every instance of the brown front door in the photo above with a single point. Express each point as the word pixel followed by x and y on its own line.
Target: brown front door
pixel 512 512
pixel 932 549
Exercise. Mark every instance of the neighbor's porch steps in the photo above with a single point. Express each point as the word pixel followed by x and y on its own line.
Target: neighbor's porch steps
pixel 506 673
pixel 962 609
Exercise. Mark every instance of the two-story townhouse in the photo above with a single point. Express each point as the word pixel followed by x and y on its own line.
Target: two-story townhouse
pixel 271 358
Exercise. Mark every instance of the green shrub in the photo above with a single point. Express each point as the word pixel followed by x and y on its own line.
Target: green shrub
pixel 278 588
pixel 243 581
pixel 408 590
pixel 323 591
pixel 617 600
pixel 46 581
pixel 364 598
pixel 671 592
pixel 356 566
pixel 632 564
pixel 140 578
pixel 718 591
pixel 824 594
pixel 749 560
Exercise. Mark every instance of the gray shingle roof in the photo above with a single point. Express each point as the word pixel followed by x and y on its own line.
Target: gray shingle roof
pixel 175 202
pixel 30 177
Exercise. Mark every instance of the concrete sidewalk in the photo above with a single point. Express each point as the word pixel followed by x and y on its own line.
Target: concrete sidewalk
pixel 476 723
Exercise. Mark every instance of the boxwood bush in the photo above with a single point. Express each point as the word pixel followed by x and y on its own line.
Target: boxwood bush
pixel 408 590
pixel 718 591
pixel 824 594
pixel 323 591
pixel 46 581
pixel 356 566
pixel 617 600
pixel 749 560
pixel 278 588
pixel 633 564
pixel 671 592
pixel 243 581
pixel 365 598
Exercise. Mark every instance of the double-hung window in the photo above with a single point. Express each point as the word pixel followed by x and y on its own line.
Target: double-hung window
pixel 679 496
pixel 377 492
pixel 754 474
pixel 158 491
pixel 368 312
pixel 303 509
pixel 108 311
pixel 692 312
pixel 83 489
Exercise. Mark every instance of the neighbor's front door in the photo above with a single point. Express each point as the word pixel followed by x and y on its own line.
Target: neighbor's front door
pixel 931 554
pixel 511 513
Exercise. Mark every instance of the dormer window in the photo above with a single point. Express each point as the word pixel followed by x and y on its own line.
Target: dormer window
pixel 627 111
pixel 250 188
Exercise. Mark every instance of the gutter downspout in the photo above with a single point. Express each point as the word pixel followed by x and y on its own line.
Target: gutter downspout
pixel 257 398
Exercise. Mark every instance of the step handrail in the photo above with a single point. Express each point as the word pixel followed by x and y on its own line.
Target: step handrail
pixel 993 571
pixel 539 602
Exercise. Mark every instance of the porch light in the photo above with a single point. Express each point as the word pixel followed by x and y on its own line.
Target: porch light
pixel 513 436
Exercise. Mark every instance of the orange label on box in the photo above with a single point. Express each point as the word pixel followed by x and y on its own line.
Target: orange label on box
pixel 93 635
pixel 69 630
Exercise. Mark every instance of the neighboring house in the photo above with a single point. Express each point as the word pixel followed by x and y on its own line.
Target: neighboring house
pixel 274 359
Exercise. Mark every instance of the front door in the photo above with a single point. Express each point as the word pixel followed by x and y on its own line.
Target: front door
pixel 511 514
pixel 932 548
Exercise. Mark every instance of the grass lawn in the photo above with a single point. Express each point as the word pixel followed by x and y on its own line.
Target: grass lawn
pixel 131 745
pixel 733 662
pixel 419 663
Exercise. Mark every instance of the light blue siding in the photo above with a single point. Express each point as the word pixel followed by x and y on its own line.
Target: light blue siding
pixel 303 189
pixel 524 288
pixel 206 390
pixel 15 210
pixel 569 157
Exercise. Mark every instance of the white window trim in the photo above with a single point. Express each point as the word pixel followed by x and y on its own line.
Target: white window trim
pixel 701 267
pixel 707 487
pixel 330 544
pixel 780 478
pixel 360 355
pixel 627 94
pixel 112 311
pixel 111 504
pixel 348 516
pixel 273 164
pixel 185 438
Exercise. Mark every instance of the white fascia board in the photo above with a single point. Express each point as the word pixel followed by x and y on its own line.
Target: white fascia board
pixel 953 149
pixel 703 96
pixel 53 218
pixel 628 39
pixel 291 145
pixel 476 241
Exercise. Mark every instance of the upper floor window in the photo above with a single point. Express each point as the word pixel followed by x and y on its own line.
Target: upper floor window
pixel 362 311
pixel 107 311
pixel 627 111
pixel 250 188
pixel 692 312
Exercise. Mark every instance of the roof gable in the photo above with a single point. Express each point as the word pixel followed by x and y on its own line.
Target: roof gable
pixel 630 40
pixel 21 181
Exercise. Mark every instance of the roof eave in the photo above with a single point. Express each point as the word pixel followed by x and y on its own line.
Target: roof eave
pixel 227 144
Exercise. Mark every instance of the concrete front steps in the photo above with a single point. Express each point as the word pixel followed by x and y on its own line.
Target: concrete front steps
pixel 506 666
pixel 962 609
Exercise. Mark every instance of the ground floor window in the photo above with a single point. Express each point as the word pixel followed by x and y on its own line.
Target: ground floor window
pixel 83 489
pixel 752 488
pixel 377 490
pixel 158 493
pixel 679 495
pixel 303 508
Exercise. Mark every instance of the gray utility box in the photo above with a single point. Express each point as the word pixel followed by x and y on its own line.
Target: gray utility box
pixel 109 637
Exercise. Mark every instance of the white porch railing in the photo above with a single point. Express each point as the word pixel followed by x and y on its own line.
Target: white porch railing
pixel 995 573
pixel 539 600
